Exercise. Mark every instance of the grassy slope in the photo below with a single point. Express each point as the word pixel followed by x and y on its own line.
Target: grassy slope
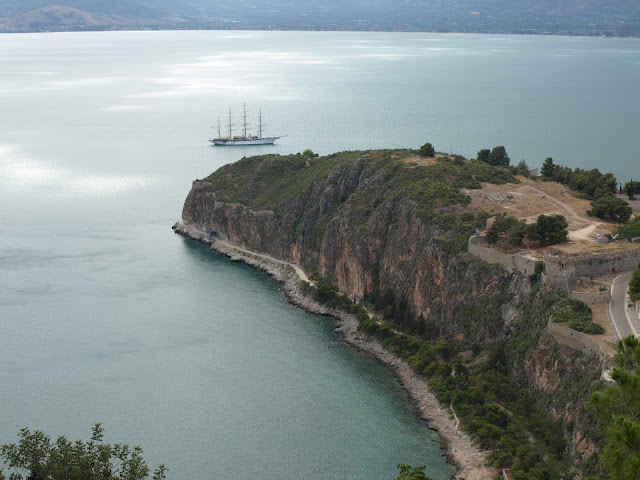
pixel 269 182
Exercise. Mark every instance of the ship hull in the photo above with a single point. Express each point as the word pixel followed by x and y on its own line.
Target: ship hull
pixel 239 142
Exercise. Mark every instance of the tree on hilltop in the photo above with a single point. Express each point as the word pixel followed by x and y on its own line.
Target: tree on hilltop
pixel 552 229
pixel 631 188
pixel 547 169
pixel 427 150
pixel 521 169
pixel 547 229
pixel 610 207
pixel 499 157
pixel 483 155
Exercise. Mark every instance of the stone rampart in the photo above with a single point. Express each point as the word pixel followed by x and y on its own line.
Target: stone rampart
pixel 198 184
pixel 561 272
pixel 513 263
pixel 575 340
pixel 592 297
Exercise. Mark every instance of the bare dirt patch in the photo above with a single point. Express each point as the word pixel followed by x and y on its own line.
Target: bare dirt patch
pixel 531 198
pixel 417 160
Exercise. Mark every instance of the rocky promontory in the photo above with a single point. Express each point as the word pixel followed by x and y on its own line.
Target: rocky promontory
pixel 390 230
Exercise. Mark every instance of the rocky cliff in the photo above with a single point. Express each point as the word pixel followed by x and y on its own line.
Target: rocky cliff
pixel 392 228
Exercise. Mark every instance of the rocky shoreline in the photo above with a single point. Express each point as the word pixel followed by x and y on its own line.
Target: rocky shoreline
pixel 468 461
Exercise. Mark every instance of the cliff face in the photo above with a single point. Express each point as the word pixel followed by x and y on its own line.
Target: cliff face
pixel 385 248
pixel 353 227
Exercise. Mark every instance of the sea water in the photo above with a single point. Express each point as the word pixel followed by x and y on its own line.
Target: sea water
pixel 107 316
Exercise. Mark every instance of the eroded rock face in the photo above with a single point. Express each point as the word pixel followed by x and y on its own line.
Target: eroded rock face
pixel 386 249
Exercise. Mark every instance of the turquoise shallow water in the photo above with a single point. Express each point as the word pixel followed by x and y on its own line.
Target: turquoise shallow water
pixel 107 316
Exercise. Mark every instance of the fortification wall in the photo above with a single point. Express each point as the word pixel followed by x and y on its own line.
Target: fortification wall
pixel 592 297
pixel 198 184
pixel 513 263
pixel 561 271
pixel 576 340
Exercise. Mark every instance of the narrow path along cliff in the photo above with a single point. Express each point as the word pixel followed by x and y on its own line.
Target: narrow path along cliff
pixel 459 448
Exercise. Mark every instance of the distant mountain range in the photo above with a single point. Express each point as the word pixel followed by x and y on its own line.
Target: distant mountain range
pixel 565 17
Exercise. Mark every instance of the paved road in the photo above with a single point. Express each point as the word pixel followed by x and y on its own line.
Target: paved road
pixel 618 306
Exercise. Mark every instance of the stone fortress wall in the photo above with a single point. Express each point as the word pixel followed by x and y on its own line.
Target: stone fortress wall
pixel 562 272
pixel 199 184
pixel 593 297
pixel 577 341
pixel 513 263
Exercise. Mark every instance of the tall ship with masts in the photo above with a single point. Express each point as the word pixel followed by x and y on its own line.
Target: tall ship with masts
pixel 245 138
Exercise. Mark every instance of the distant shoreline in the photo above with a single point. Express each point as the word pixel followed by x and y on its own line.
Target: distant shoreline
pixel 229 30
pixel 457 446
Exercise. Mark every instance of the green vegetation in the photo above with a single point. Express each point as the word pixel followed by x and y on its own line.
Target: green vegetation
pixel 35 457
pixel 427 150
pixel 634 285
pixel 497 156
pixel 521 169
pixel 548 230
pixel 499 415
pixel 631 188
pixel 618 408
pixel 309 153
pixel 474 378
pixel 267 182
pixel 629 230
pixel 274 182
pixel 610 207
pixel 576 313
pixel 408 472
pixel 591 185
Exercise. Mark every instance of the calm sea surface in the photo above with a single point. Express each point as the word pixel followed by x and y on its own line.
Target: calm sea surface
pixel 107 316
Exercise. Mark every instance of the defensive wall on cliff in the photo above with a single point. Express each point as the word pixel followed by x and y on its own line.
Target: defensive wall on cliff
pixel 198 184
pixel 592 297
pixel 562 272
pixel 513 263
pixel 577 341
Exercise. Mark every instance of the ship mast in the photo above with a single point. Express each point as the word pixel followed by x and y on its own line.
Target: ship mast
pixel 260 124
pixel 219 134
pixel 230 124
pixel 244 120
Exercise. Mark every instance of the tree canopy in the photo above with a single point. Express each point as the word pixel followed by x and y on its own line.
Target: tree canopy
pixel 629 230
pixel 610 207
pixel 634 285
pixel 618 408
pixel 36 457
pixel 426 150
pixel 408 472
pixel 548 229
pixel 497 156
pixel 521 169
pixel 547 169
pixel 631 188
pixel 483 155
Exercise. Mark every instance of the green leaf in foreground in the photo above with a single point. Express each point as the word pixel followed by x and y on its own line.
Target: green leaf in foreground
pixel 36 457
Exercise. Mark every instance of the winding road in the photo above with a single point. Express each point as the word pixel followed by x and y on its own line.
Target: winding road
pixel 618 306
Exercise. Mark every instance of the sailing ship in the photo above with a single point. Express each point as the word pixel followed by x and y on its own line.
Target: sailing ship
pixel 245 138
